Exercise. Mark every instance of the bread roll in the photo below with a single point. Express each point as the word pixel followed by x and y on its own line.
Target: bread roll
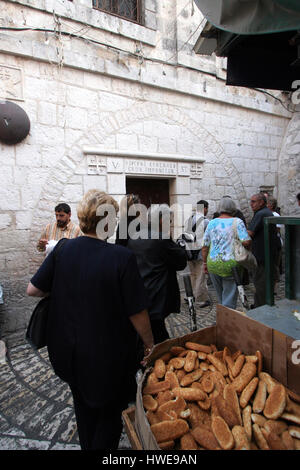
pixel 259 438
pixel 198 347
pixel 218 379
pixel 163 416
pixel 204 366
pixel 177 405
pixel 149 403
pixel 207 384
pixel 269 381
pixel 222 433
pixel 277 426
pixel 236 355
pixel 183 353
pixel 152 379
pixel 180 374
pixel 251 359
pixel 247 422
pixel 292 407
pixel 169 430
pixel 287 440
pixel 237 366
pixel 202 355
pixel 248 392
pixel 152 417
pixel 187 442
pixel 240 438
pixel 156 387
pixel 177 362
pixel 226 353
pixel 291 417
pixel 247 373
pixel 205 404
pixel 188 379
pixel 191 394
pixel 198 416
pixel 260 361
pixel 258 419
pixel 172 378
pixel 218 364
pixel 175 350
pixel 163 397
pixel 229 362
pixel 226 411
pixel 190 361
pixel 275 403
pixel 159 368
pixel 260 397
pixel 273 440
pixel 205 438
pixel 231 397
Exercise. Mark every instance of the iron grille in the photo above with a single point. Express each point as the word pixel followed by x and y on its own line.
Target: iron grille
pixel 129 9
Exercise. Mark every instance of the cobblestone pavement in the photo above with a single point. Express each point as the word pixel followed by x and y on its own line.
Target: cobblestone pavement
pixel 36 406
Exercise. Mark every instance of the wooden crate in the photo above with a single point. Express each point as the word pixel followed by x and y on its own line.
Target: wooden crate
pixel 128 417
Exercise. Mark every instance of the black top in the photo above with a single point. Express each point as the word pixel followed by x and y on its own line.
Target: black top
pixel 257 226
pixel 95 287
pixel 158 260
pixel 122 235
pixel 240 215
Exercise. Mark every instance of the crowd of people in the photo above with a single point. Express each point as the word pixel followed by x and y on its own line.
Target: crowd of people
pixel 109 301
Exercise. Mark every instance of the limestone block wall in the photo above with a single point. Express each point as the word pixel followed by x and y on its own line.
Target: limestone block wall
pixel 289 168
pixel 95 113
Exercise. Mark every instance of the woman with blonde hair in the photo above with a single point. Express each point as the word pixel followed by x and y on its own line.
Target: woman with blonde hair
pixel 98 303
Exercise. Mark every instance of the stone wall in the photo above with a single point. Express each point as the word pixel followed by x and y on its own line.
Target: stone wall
pixel 289 169
pixel 117 93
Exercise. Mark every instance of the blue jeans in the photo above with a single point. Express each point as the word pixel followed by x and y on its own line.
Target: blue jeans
pixel 226 290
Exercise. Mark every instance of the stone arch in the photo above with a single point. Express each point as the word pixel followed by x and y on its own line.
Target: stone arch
pixel 64 170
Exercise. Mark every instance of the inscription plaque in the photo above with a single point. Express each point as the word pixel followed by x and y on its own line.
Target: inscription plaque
pixel 99 165
pixel 11 82
pixel 150 167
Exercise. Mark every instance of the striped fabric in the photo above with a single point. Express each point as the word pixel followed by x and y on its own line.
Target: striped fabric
pixel 53 232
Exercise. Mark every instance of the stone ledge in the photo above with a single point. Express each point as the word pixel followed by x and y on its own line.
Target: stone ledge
pixel 92 17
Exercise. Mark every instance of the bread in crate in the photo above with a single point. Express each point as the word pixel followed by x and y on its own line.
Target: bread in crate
pixel 196 397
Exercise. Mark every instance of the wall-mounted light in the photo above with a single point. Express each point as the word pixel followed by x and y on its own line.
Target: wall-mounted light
pixel 14 123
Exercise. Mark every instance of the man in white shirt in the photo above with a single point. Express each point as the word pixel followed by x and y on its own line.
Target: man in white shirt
pixel 198 223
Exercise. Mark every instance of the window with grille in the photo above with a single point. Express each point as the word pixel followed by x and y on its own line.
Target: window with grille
pixel 129 9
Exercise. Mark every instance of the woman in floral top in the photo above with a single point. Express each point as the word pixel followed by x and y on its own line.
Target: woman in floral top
pixel 218 254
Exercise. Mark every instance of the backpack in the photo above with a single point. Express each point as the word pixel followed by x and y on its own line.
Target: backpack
pixel 188 238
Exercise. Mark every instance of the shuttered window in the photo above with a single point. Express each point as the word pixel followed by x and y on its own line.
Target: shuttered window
pixel 129 9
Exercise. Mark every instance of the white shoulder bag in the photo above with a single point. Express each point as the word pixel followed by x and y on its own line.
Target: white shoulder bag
pixel 243 256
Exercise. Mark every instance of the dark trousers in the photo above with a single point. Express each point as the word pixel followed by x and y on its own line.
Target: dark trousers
pixel 259 281
pixel 98 428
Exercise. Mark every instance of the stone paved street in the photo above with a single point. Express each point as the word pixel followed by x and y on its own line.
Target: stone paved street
pixel 36 406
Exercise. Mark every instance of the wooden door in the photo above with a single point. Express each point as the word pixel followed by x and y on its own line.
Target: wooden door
pixel 150 190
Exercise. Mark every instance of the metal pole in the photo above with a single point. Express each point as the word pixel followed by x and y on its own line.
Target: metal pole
pixel 268 264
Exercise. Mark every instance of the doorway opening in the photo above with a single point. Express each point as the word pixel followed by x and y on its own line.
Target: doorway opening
pixel 150 190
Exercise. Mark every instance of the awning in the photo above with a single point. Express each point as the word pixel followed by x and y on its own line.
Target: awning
pixel 260 38
pixel 252 16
